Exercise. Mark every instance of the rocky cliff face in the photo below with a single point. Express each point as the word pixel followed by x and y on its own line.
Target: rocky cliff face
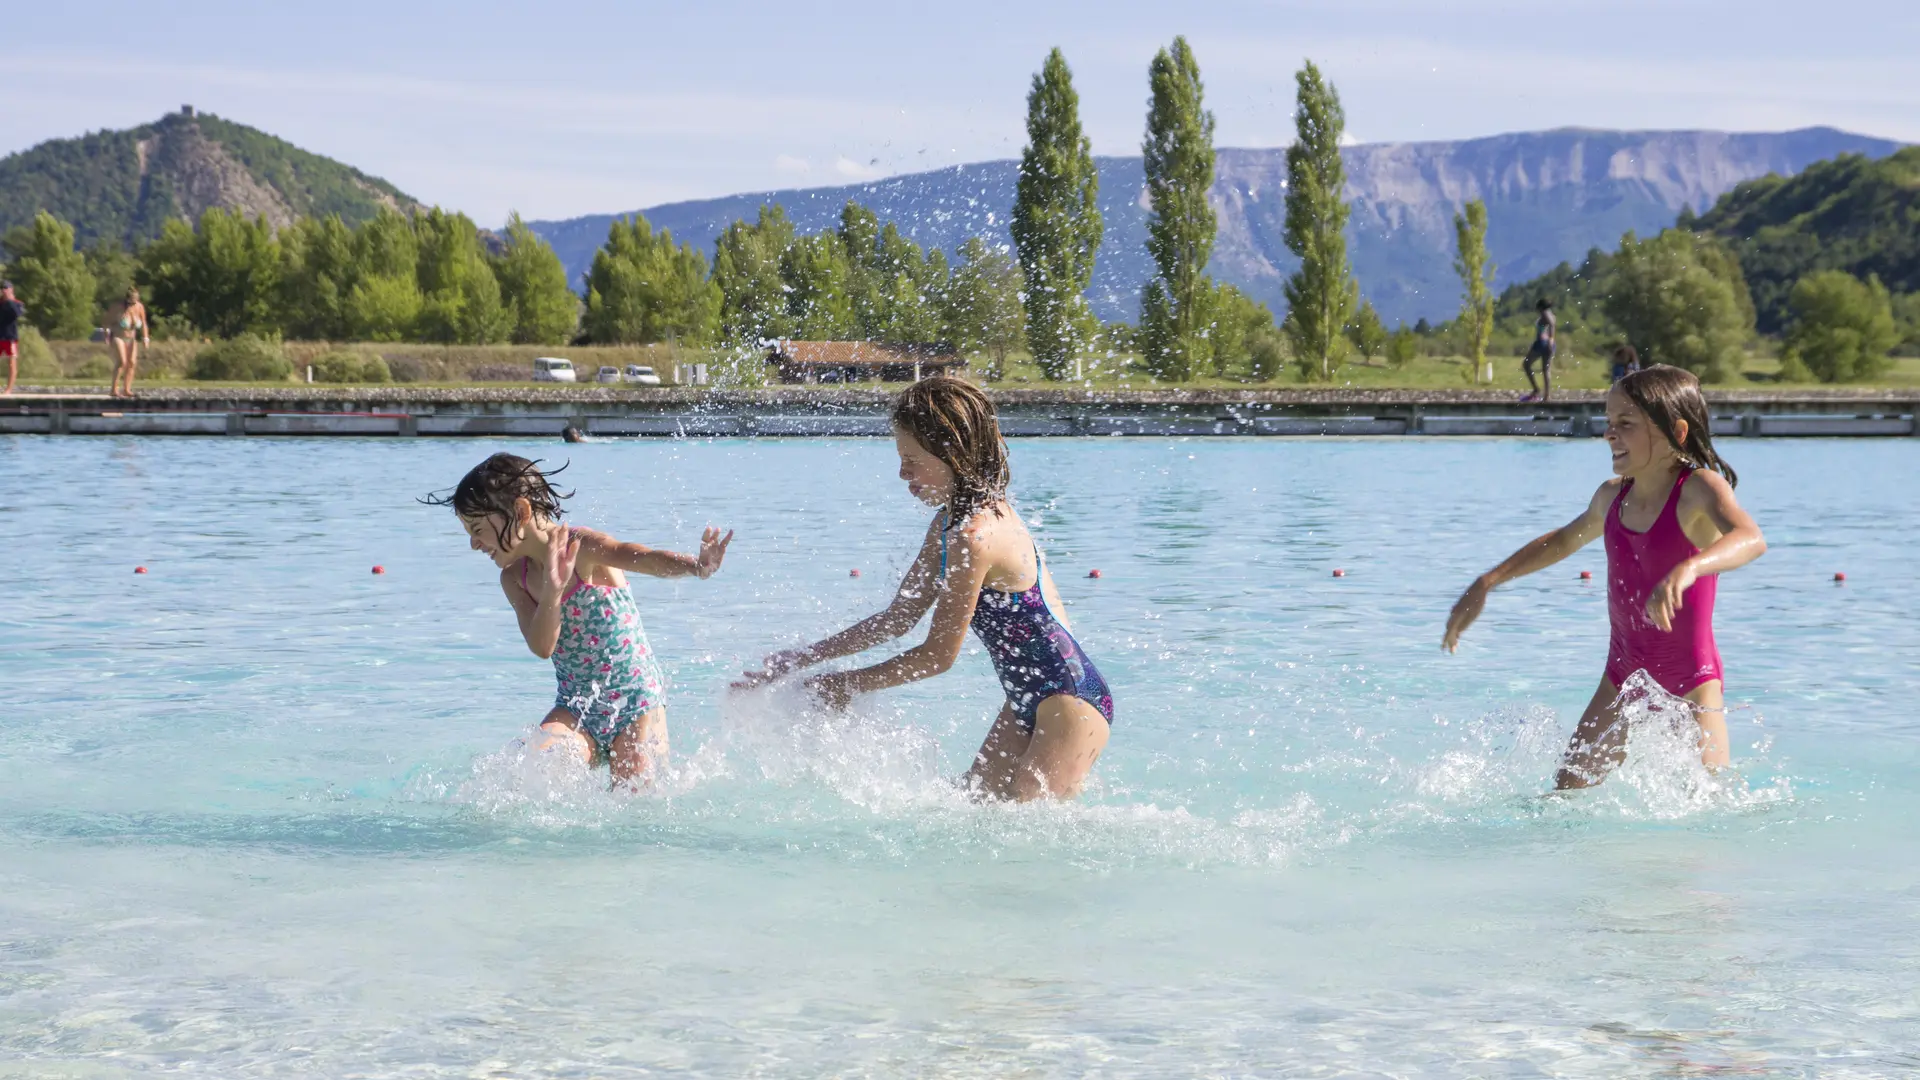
pixel 1550 196
pixel 183 173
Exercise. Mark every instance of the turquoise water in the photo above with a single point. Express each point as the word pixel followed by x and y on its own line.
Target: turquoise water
pixel 261 811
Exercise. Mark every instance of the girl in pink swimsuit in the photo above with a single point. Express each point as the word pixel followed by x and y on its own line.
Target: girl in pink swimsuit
pixel 1671 526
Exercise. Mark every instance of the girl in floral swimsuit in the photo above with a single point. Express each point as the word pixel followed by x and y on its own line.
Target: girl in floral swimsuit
pixel 978 569
pixel 1671 527
pixel 567 587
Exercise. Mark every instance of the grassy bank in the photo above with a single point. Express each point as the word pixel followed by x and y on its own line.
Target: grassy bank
pixel 75 364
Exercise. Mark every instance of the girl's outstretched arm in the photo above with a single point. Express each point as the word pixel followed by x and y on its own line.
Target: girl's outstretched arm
pixel 1707 511
pixel 952 615
pixel 1541 553
pixel 640 559
pixel 909 605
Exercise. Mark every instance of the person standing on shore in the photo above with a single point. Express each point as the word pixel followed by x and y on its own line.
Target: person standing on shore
pixel 128 330
pixel 10 312
pixel 1545 341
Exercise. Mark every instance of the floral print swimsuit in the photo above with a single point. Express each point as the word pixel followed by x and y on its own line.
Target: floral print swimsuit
pixel 608 675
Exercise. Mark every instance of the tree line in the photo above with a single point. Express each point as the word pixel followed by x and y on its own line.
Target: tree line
pixel 1678 297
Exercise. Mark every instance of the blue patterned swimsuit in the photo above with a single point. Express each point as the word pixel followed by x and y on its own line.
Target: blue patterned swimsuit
pixel 608 675
pixel 1034 655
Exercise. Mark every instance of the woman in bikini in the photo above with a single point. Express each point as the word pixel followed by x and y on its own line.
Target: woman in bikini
pixel 128 332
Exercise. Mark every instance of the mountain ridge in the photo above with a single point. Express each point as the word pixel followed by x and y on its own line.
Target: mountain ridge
pixel 121 186
pixel 1552 196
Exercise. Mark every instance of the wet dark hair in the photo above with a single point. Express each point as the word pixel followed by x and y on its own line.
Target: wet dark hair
pixel 493 486
pixel 1669 394
pixel 955 422
pixel 1542 304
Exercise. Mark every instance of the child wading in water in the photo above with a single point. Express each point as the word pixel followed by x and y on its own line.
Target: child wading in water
pixel 1671 525
pixel 977 567
pixel 567 587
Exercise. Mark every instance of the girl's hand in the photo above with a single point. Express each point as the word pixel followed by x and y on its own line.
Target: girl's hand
pixel 561 558
pixel 771 668
pixel 1465 610
pixel 1670 595
pixel 713 549
pixel 831 689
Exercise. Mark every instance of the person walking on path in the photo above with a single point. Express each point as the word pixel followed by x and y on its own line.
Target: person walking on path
pixel 10 312
pixel 1545 335
pixel 129 333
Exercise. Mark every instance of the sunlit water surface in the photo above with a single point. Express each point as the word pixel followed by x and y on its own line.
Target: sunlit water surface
pixel 261 811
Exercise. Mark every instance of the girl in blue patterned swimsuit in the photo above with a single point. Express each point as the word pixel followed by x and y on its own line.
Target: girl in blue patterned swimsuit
pixel 978 568
pixel 567 587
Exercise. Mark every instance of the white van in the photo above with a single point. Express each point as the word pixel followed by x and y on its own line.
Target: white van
pixel 553 369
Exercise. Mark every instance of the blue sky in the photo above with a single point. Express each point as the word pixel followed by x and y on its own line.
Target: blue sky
pixel 587 106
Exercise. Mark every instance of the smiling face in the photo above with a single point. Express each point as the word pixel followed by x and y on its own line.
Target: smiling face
pixel 929 478
pixel 1638 446
pixel 492 534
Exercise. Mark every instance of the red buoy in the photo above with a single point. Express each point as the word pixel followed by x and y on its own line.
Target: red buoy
pixel 139 569
pixel 379 569
pixel 1839 577
pixel 1093 573
pixel 1339 573
pixel 855 572
pixel 1586 575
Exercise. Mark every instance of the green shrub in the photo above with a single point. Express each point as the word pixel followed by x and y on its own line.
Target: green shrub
pixel 1267 358
pixel 94 367
pixel 36 356
pixel 414 369
pixel 1842 328
pixel 350 367
pixel 242 359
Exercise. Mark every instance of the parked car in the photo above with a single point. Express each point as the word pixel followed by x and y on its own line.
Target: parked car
pixel 642 374
pixel 608 375
pixel 553 369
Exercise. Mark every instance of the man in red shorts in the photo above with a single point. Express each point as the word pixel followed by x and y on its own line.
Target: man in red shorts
pixel 10 312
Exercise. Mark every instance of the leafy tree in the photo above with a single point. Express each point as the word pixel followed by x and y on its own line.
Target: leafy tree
pixel 1237 326
pixel 1906 314
pixel 384 301
pixel 1842 328
pixel 1476 280
pixel 462 297
pixel 1679 299
pixel 1402 346
pixel 747 264
pixel 1266 358
pixel 223 277
pixel 533 287
pixel 818 280
pixel 114 269
pixel 316 279
pixel 50 277
pixel 1056 219
pixel 983 312
pixel 1322 294
pixel 643 287
pixel 1176 307
pixel 1366 333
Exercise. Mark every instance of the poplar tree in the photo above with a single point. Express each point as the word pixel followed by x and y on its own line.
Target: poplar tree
pixel 643 287
pixel 746 265
pixel 1056 219
pixel 1476 280
pixel 1322 294
pixel 1177 307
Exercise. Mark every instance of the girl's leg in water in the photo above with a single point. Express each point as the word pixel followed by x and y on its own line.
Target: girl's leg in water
pixel 1600 742
pixel 640 749
pixel 1051 761
pixel 562 728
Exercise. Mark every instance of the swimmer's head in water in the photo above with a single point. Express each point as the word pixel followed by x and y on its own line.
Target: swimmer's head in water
pixel 499 497
pixel 951 452
pixel 1660 410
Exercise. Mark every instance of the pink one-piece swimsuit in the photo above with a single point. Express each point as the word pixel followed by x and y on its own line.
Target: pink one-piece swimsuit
pixel 1679 659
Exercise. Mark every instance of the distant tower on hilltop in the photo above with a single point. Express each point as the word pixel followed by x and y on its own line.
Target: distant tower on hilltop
pixel 186 111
